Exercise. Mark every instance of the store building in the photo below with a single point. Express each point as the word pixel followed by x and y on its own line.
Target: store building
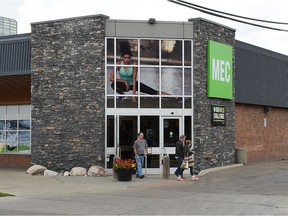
pixel 261 103
pixel 15 100
pixel 79 119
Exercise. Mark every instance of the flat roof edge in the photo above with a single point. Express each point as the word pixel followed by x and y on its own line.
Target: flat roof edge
pixel 260 50
pixel 15 37
pixel 147 21
pixel 71 18
pixel 209 21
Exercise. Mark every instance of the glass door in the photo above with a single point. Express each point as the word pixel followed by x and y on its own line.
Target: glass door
pixel 121 134
pixel 127 130
pixel 171 129
pixel 150 125
pixel 111 149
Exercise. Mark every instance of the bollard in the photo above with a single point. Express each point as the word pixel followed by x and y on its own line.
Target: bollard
pixel 166 167
pixel 241 156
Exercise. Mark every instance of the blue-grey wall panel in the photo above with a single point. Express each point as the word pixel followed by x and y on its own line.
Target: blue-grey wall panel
pixel 15 54
pixel 261 76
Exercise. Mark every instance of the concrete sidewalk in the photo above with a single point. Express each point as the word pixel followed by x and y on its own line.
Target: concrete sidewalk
pixel 258 189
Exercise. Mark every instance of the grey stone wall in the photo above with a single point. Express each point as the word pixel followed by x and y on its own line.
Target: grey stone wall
pixel 68 80
pixel 215 145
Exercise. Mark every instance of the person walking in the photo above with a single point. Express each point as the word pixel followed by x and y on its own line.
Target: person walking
pixel 179 156
pixel 188 155
pixel 140 151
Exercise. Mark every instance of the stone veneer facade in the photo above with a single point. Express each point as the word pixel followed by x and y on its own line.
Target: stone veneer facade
pixel 68 90
pixel 68 95
pixel 215 145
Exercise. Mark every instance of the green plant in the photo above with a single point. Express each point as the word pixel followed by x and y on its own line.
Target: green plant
pixel 5 194
pixel 128 164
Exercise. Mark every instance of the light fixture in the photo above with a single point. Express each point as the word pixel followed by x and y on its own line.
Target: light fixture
pixel 266 109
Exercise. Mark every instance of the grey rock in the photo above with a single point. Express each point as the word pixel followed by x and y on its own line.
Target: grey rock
pixel 97 171
pixel 78 171
pixel 36 170
pixel 50 173
pixel 66 173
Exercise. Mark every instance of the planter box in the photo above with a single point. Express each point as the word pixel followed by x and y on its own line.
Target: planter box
pixel 124 175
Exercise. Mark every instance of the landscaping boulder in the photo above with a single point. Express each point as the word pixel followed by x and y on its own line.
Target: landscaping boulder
pixel 78 171
pixel 50 173
pixel 66 173
pixel 97 171
pixel 36 170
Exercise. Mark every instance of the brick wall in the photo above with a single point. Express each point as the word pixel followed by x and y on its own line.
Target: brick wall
pixel 215 146
pixel 15 161
pixel 262 143
pixel 68 87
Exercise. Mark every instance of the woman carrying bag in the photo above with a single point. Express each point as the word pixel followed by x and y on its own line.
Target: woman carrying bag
pixel 188 159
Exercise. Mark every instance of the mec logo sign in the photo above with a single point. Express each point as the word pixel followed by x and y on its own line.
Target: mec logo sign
pixel 220 72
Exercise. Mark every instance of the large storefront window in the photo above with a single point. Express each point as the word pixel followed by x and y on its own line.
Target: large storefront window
pixel 148 73
pixel 15 129
pixel 148 89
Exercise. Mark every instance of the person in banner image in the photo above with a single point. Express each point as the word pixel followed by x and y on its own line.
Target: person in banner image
pixel 179 156
pixel 127 80
pixel 140 151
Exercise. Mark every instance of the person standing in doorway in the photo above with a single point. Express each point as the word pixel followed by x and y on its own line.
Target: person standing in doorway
pixel 140 151
pixel 179 156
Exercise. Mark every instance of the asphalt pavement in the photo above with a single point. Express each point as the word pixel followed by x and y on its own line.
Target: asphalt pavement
pixel 256 189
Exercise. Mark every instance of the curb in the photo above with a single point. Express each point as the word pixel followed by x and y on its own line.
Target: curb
pixel 215 169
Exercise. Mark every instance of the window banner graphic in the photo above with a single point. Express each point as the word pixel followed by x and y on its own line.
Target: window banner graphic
pixel 220 70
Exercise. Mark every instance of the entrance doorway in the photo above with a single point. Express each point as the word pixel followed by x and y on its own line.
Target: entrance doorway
pixel 127 135
pixel 161 134
pixel 171 129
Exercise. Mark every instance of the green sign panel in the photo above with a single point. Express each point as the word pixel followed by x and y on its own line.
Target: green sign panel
pixel 220 68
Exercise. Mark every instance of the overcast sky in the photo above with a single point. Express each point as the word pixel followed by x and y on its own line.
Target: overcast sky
pixel 27 11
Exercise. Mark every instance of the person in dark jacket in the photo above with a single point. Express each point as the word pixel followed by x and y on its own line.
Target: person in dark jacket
pixel 179 155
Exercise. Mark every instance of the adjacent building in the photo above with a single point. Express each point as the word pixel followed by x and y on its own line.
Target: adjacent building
pixel 7 26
